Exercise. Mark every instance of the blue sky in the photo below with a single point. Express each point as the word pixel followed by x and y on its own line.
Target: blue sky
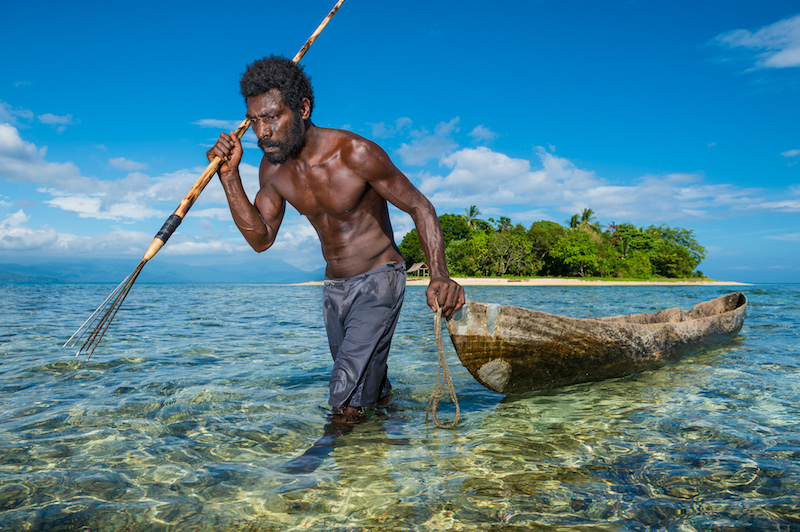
pixel 682 113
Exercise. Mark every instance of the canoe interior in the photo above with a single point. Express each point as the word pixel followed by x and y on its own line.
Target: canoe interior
pixel 514 350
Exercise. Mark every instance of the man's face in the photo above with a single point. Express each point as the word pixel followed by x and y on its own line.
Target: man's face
pixel 280 132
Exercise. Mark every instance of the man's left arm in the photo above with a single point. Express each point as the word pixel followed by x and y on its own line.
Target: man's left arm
pixel 388 181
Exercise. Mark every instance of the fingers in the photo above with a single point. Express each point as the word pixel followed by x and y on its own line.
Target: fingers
pixel 431 296
pixel 223 148
pixel 237 142
pixel 449 294
pixel 228 148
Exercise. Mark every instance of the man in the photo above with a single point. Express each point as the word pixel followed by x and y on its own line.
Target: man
pixel 341 182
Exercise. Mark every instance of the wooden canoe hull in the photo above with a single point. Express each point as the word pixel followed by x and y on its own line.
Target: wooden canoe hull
pixel 513 350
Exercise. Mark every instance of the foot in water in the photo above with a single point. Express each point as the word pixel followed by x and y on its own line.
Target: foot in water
pixel 341 422
pixel 310 460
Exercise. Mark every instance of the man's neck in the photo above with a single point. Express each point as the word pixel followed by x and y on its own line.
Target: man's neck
pixel 311 143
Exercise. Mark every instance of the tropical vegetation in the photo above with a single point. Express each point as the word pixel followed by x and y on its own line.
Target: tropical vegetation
pixel 579 248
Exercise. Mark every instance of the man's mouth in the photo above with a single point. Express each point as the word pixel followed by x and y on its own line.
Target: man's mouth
pixel 265 144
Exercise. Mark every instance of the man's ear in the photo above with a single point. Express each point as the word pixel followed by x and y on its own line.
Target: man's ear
pixel 305 109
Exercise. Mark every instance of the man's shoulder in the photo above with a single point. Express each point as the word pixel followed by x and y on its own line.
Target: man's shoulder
pixel 352 147
pixel 345 139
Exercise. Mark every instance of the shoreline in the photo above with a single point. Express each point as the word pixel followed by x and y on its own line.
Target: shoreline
pixel 488 281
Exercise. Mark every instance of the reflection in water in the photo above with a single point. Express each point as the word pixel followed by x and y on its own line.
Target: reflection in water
pixel 189 419
pixel 338 426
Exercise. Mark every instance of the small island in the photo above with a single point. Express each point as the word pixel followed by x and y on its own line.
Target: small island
pixel 581 251
pixel 553 281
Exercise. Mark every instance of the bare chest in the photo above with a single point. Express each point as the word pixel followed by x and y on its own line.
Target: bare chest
pixel 323 191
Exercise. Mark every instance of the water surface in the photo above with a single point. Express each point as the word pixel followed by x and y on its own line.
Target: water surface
pixel 190 410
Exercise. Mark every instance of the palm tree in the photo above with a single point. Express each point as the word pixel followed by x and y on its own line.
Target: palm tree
pixel 574 221
pixel 587 216
pixel 472 214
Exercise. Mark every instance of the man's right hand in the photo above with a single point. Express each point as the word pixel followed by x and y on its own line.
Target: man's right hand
pixel 229 149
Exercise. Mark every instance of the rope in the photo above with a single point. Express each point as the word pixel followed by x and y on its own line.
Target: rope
pixel 442 375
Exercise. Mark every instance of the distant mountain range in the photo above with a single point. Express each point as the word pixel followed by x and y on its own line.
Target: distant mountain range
pixel 263 270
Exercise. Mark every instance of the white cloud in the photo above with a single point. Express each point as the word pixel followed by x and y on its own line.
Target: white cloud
pixel 59 123
pixel 56 120
pixel 217 213
pixel 94 207
pixel 23 162
pixel 426 147
pixel 15 235
pixel 777 206
pixel 134 197
pixel 482 134
pixel 775 46
pixel 183 244
pixel 297 243
pixel 477 173
pixel 225 125
pixel 11 115
pixel 15 220
pixel 492 180
pixel 547 186
pixel 121 163
pixel 788 237
pixel 381 130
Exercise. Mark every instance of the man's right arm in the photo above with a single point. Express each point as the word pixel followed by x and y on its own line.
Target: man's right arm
pixel 258 223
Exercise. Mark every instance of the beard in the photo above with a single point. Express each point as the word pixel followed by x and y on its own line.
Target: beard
pixel 285 148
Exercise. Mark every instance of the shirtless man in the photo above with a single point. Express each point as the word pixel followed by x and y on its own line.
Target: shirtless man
pixel 341 182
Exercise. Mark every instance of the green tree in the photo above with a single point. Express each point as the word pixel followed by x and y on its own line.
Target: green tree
pixel 543 235
pixel 574 221
pixel 629 238
pixel 636 265
pixel 471 215
pixel 511 252
pixel 453 228
pixel 504 223
pixel 484 226
pixel 547 248
pixel 411 249
pixel 470 257
pixel 577 254
pixel 677 253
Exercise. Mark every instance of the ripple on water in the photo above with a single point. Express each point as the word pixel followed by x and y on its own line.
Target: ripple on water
pixel 185 419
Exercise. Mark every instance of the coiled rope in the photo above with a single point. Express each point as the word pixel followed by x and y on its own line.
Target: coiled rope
pixel 442 376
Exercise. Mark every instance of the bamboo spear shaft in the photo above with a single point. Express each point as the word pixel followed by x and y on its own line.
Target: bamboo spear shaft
pixel 108 309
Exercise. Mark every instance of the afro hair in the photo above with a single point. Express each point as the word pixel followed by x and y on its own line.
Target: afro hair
pixel 277 72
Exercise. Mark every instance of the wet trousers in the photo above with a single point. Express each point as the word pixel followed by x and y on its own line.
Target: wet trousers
pixel 360 314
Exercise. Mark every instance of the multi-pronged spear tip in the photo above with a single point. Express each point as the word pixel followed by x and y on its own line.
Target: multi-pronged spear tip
pixel 101 318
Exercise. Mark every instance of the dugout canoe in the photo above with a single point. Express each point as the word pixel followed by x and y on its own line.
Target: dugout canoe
pixel 513 350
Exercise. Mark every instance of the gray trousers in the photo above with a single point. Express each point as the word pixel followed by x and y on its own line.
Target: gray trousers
pixel 360 314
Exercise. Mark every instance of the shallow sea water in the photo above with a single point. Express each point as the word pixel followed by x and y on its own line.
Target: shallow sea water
pixel 188 413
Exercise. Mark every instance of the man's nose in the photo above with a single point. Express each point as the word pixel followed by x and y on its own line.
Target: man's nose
pixel 262 130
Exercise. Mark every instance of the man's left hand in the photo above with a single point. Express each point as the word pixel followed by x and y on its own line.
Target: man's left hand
pixel 448 293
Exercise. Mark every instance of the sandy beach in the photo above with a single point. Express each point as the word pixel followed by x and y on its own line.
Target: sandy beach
pixel 487 281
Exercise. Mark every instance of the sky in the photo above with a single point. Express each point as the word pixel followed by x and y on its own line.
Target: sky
pixel 681 113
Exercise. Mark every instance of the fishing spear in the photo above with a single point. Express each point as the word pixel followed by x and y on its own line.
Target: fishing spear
pixel 97 324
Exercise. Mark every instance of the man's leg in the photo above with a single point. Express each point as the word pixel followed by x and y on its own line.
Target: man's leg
pixel 360 316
